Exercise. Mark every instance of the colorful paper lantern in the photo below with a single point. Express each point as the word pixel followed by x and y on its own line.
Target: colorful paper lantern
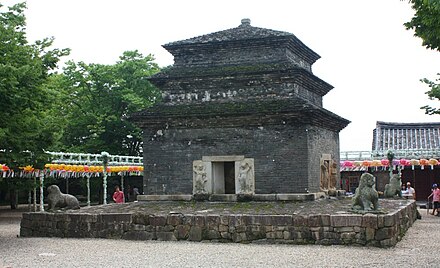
pixel 376 163
pixel 424 162
pixel 385 162
pixel 433 162
pixel 366 163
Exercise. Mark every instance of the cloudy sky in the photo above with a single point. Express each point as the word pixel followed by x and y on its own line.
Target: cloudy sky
pixel 373 63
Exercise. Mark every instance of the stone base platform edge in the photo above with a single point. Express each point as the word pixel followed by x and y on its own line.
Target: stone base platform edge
pixel 383 230
pixel 233 197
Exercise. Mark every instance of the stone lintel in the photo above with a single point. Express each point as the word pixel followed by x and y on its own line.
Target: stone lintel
pixel 223 158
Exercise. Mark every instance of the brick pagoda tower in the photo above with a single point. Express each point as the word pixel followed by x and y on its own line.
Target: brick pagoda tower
pixel 241 114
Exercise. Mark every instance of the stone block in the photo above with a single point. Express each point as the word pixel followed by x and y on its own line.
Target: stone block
pixel 385 233
pixel 300 220
pixel 264 197
pixel 235 220
pixel 296 197
pixel 348 235
pixel 354 220
pixel 224 219
pixel 140 218
pixel 138 235
pixel 325 220
pixel 330 235
pixel 223 198
pixel 287 235
pixel 166 228
pixel 240 228
pixel 281 220
pixel 226 235
pixel 25 232
pixel 181 232
pixel 380 221
pixel 212 234
pixel 195 233
pixel 314 221
pixel 158 220
pixel 279 234
pixel 370 233
pixel 271 235
pixel 239 237
pixel 259 219
pixel 386 243
pixel 165 236
pixel 199 220
pixel 223 228
pixel 27 215
pixel 174 219
pixel 25 223
pixel 339 220
pixel 389 220
pixel 369 221
pixel 344 229
pixel 38 216
pixel 212 221
pixel 115 217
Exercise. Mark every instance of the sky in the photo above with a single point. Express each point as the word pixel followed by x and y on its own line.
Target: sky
pixel 367 55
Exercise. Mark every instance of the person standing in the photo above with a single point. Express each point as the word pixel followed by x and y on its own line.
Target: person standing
pixel 435 199
pixel 118 195
pixel 410 191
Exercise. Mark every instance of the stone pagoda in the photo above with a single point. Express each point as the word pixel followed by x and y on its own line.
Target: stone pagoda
pixel 241 113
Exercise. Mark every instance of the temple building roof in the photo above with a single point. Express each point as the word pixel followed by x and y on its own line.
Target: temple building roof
pixel 406 136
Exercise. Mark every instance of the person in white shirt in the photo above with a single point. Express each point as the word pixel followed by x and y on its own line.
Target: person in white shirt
pixel 410 192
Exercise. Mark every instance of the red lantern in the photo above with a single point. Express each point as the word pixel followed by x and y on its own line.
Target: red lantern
pixel 385 162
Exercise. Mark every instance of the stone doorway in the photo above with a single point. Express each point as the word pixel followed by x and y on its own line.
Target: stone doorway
pixel 223 175
pixel 229 168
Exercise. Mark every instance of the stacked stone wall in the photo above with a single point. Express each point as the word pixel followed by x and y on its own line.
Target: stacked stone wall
pixel 280 154
pixel 324 229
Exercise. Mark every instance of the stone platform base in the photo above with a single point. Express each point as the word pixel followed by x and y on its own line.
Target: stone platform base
pixel 234 197
pixel 134 221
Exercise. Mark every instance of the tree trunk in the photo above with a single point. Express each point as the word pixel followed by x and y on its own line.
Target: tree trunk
pixel 13 197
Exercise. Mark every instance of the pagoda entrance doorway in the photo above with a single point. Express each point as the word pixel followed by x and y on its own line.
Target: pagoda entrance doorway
pixel 233 174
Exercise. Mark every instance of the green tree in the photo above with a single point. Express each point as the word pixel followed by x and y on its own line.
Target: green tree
pixel 26 125
pixel 426 25
pixel 99 97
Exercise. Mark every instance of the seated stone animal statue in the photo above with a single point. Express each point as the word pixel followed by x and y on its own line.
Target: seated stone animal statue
pixel 393 188
pixel 366 197
pixel 56 199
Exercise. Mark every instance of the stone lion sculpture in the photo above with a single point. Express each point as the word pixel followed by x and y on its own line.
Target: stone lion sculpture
pixel 56 199
pixel 393 188
pixel 366 197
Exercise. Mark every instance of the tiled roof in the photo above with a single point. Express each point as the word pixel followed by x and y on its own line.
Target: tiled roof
pixel 243 32
pixel 293 108
pixel 406 136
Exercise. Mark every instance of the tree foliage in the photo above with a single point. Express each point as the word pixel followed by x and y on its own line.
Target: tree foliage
pixel 25 128
pixel 426 22
pixel 426 25
pixel 99 97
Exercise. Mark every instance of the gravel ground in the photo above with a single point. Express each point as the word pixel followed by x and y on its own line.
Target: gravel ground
pixel 419 248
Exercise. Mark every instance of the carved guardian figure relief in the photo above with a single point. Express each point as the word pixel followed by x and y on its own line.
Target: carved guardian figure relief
pixel 246 177
pixel 199 177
